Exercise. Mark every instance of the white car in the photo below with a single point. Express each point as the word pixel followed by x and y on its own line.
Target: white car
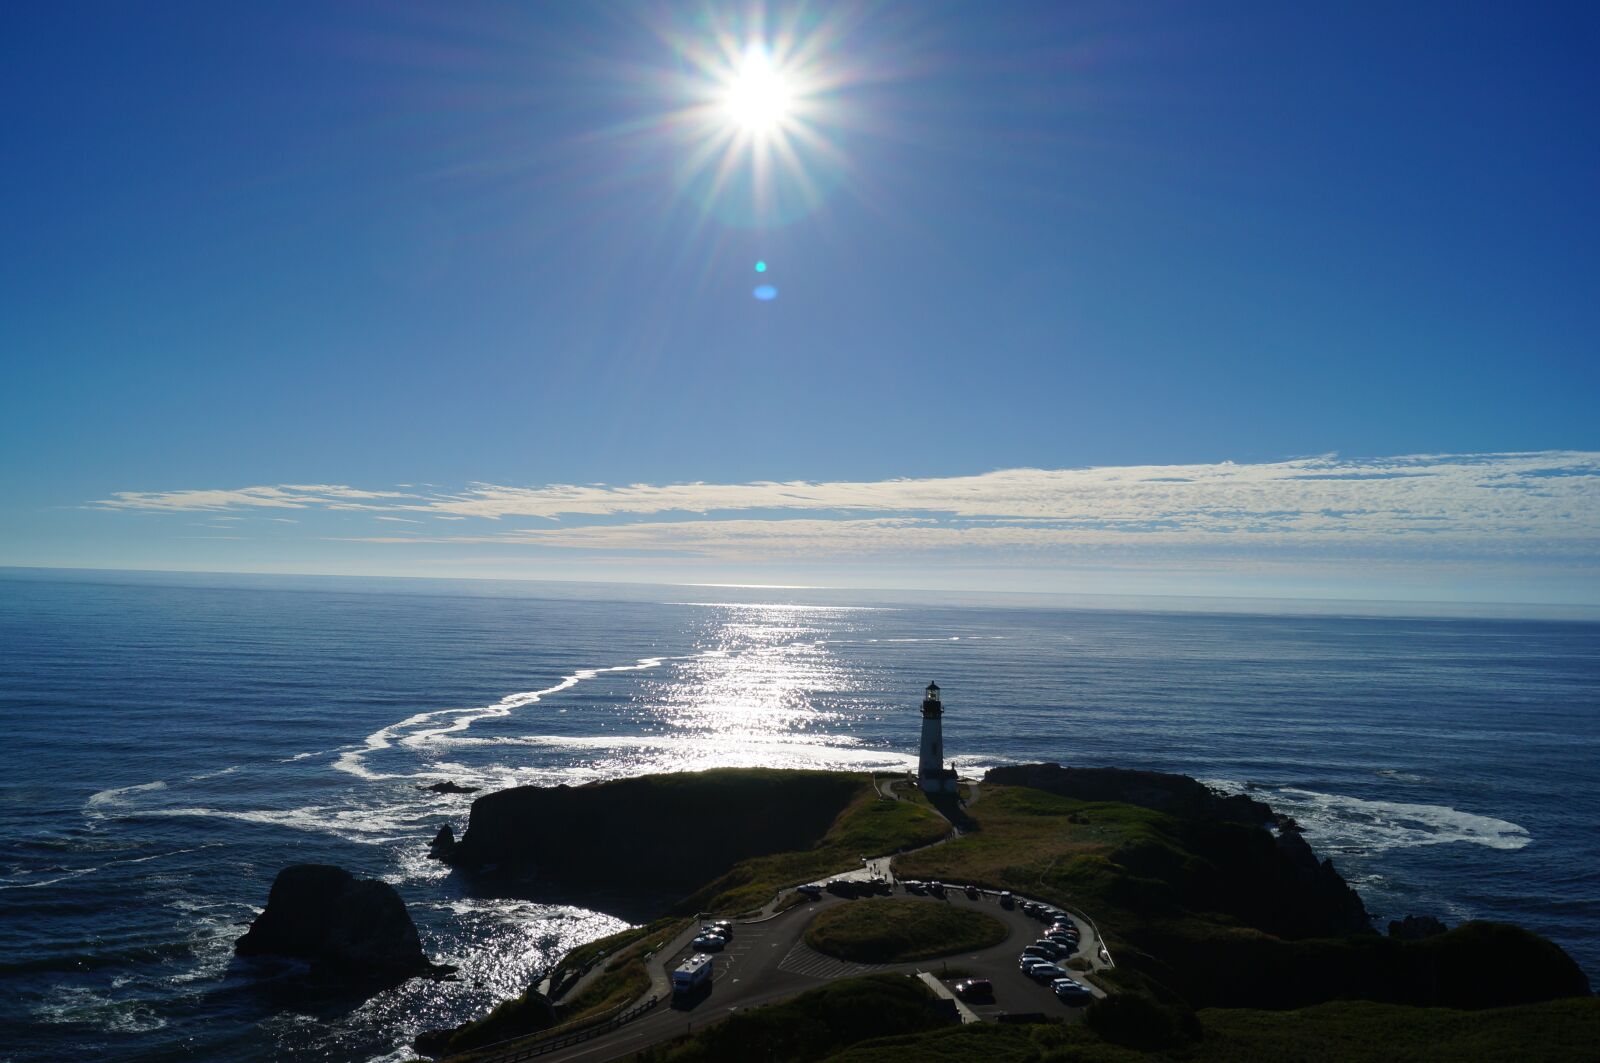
pixel 1027 963
pixel 1047 972
pixel 1072 991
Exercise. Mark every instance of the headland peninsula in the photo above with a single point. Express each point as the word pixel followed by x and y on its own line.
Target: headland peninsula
pixel 1202 926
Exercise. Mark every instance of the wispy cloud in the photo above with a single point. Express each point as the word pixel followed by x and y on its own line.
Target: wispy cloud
pixel 1533 504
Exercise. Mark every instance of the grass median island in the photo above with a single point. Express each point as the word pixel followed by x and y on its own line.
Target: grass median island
pixel 896 930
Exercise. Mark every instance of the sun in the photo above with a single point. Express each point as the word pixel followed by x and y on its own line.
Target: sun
pixel 759 98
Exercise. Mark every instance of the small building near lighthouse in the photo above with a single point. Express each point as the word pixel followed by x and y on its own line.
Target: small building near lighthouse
pixel 932 775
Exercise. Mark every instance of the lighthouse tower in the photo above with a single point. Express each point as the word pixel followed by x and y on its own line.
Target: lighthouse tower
pixel 933 776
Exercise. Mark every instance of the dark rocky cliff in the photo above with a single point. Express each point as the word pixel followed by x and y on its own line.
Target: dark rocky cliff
pixel 660 836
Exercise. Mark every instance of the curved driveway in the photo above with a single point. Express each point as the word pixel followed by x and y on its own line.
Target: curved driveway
pixel 767 960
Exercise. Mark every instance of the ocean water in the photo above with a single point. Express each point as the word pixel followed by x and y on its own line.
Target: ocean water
pixel 170 742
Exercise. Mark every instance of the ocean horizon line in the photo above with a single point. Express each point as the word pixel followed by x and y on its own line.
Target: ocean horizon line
pixel 1264 605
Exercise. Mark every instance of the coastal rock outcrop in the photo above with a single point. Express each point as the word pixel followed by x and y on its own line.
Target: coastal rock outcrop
pixel 443 846
pixel 651 839
pixel 350 929
pixel 449 787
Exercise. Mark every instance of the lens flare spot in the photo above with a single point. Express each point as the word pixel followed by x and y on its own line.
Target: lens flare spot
pixel 761 267
pixel 766 293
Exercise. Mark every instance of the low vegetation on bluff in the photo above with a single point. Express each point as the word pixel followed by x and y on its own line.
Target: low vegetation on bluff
pixel 1214 912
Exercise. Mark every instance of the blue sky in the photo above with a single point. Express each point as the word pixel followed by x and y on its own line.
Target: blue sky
pixel 360 246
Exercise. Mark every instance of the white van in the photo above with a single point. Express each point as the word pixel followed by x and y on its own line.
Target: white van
pixel 693 973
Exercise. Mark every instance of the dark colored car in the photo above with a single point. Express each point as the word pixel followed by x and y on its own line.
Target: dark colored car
pixel 973 893
pixel 842 887
pixel 810 889
pixel 974 989
pixel 1007 900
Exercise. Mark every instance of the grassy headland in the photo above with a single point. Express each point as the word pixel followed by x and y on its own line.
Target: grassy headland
pixel 1221 914
pixel 1210 918
pixel 895 930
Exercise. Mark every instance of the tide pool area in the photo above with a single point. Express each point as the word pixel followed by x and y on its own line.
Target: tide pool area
pixel 174 741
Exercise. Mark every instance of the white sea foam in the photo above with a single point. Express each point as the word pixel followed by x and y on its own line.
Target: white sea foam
pixel 76 873
pixel 82 1005
pixel 1351 824
pixel 419 729
pixel 121 794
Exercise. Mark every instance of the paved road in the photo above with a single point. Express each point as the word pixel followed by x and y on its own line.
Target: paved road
pixel 767 961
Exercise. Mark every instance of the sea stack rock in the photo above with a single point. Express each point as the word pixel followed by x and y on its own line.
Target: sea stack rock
pixel 449 787
pixel 443 846
pixel 350 929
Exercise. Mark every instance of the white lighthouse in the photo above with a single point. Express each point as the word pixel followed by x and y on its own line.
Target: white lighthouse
pixel 933 776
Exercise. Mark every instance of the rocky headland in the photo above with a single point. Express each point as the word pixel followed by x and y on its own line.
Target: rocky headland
pixel 1206 900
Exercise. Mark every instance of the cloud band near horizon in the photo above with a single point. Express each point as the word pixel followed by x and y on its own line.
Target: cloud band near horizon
pixel 1543 505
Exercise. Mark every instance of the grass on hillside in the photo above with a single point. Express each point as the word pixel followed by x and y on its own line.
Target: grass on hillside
pixel 869 826
pixel 1028 842
pixel 895 930
pixel 1151 883
pixel 1340 1032
pixel 812 1025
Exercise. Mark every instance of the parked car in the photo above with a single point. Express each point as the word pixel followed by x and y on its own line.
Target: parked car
pixel 1026 964
pixel 1037 952
pixel 1070 944
pixel 1007 900
pixel 1046 972
pixel 974 989
pixel 1072 991
pixel 810 889
pixel 936 888
pixel 914 885
pixel 1054 950
pixel 973 893
pixel 725 928
pixel 1029 907
pixel 842 887
pixel 710 943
